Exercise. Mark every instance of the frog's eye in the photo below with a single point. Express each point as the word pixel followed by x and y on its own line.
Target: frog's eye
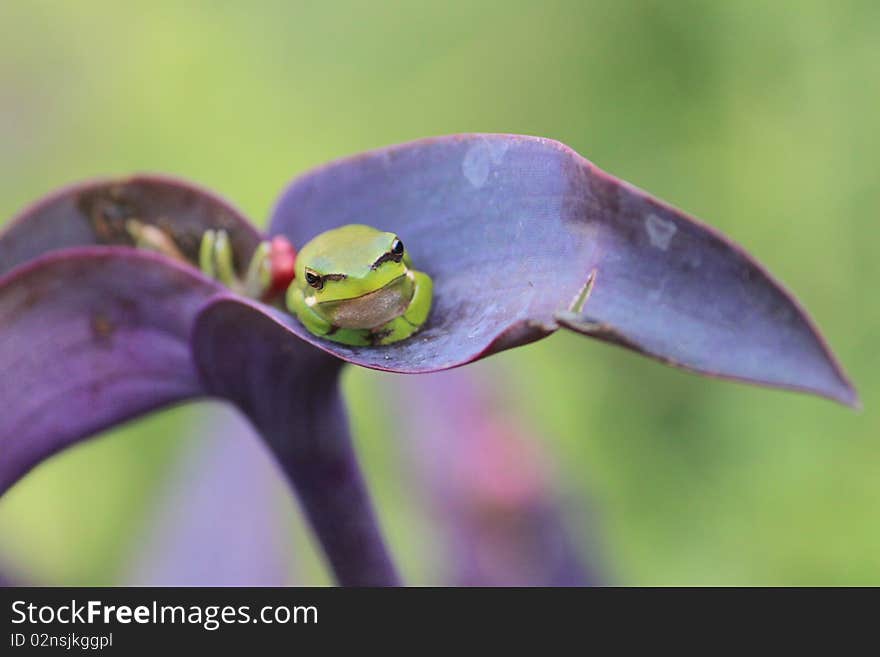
pixel 314 279
pixel 397 248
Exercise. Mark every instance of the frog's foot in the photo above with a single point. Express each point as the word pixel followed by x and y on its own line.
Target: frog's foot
pixel 396 330
pixel 351 337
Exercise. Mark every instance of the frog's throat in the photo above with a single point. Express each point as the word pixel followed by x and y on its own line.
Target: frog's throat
pixel 373 309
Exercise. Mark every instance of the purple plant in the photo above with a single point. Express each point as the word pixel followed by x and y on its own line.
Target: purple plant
pixel 521 236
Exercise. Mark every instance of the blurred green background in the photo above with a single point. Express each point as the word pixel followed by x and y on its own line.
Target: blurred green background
pixel 761 118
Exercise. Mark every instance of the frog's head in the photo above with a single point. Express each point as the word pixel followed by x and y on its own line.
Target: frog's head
pixel 355 274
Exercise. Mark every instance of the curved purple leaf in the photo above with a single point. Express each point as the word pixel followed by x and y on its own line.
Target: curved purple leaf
pixel 290 392
pixel 516 230
pixel 95 213
pixel 89 338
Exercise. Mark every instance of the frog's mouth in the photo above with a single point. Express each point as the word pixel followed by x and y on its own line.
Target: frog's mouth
pixel 374 309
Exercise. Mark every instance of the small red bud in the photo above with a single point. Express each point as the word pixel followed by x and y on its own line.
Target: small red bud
pixel 282 259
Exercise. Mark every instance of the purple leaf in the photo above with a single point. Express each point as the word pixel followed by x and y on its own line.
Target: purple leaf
pixel 95 213
pixel 90 338
pixel 513 229
pixel 290 392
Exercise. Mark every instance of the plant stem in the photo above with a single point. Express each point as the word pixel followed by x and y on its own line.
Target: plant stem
pixel 322 467
pixel 290 392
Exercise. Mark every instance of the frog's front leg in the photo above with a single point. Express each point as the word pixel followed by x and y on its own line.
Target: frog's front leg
pixel 415 316
pixel 420 306
pixel 296 304
pixel 319 326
